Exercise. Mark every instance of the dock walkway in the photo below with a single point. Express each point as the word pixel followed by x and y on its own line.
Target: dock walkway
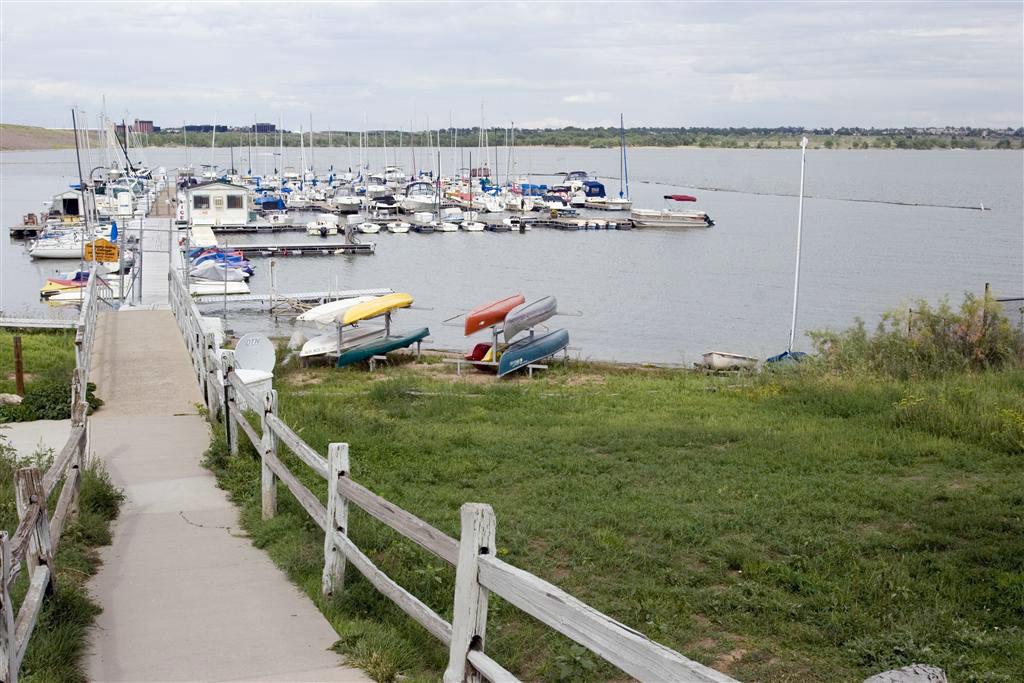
pixel 185 594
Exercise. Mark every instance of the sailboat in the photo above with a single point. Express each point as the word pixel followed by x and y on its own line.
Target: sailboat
pixel 622 202
pixel 789 355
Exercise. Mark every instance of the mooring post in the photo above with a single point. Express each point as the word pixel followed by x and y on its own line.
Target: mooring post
pixel 337 519
pixel 268 482
pixel 469 616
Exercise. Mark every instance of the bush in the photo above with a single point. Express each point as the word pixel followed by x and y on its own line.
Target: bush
pixel 926 341
pixel 47 400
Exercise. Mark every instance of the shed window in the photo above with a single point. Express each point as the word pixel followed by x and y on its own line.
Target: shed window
pixel 234 201
pixel 201 201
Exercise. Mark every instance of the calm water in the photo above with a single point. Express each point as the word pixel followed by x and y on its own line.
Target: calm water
pixel 656 295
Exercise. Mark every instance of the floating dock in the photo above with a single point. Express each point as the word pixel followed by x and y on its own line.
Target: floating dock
pixel 304 249
pixel 298 297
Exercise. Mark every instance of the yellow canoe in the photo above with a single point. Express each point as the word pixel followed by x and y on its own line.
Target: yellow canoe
pixel 375 307
pixel 51 288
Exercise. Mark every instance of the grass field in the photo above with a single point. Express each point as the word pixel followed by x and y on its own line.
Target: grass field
pixel 48 360
pixel 799 526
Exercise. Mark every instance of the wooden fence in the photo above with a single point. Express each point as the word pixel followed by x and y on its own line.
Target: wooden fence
pixel 35 542
pixel 478 571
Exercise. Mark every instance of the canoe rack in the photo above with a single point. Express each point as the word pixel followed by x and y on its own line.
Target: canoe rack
pixel 458 362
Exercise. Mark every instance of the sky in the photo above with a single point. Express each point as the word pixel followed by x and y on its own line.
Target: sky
pixel 544 64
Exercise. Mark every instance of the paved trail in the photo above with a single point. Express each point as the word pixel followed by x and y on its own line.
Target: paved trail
pixel 185 595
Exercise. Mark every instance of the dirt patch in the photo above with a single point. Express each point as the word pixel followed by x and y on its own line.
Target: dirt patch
pixel 727 659
pixel 584 380
pixel 305 378
pixel 29 377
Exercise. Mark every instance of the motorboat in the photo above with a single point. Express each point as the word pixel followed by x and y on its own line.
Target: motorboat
pixel 324 225
pixel 368 228
pixel 398 227
pixel 419 196
pixel 445 226
pixel 473 226
pixel 608 203
pixel 345 204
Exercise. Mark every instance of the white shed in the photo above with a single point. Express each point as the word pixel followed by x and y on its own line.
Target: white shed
pixel 216 203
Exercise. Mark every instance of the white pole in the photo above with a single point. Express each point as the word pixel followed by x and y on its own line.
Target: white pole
pixel 799 230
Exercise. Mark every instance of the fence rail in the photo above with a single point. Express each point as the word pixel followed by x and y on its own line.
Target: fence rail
pixel 35 541
pixel 478 572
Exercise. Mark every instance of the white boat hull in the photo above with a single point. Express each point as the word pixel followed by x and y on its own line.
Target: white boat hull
pixel 719 360
pixel 328 343
pixel 211 287
pixel 399 228
pixel 647 218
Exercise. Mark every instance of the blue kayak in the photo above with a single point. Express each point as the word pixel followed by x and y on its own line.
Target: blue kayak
pixel 531 350
pixel 381 346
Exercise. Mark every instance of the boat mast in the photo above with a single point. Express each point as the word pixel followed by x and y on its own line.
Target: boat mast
pixel 213 142
pixel 311 143
pixel 799 230
pixel 280 136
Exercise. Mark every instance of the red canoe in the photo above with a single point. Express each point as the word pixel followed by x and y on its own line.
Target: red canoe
pixel 491 314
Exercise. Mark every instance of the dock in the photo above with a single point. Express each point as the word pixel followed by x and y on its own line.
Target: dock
pixel 305 249
pixel 298 297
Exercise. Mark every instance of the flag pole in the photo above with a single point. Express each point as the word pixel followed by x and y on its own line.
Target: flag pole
pixel 799 230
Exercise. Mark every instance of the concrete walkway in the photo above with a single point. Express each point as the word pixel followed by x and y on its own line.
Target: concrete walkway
pixel 185 595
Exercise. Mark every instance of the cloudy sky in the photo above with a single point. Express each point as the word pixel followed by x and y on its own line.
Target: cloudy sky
pixel 538 64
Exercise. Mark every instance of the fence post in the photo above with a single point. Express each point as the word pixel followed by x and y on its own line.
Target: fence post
pixel 230 427
pixel 268 482
pixel 78 463
pixel 8 644
pixel 28 490
pixel 337 520
pixel 469 616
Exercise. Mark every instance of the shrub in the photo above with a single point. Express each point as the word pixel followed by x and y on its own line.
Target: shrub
pixel 926 341
pixel 47 400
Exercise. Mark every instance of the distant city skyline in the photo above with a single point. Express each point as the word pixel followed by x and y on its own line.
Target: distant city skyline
pixel 573 64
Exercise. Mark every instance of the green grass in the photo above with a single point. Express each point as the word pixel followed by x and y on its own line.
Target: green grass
pixel 794 526
pixel 48 361
pixel 60 638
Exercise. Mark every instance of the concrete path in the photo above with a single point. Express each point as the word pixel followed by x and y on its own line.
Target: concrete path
pixel 29 438
pixel 185 595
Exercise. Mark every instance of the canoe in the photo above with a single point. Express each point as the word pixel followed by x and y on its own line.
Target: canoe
pixel 381 346
pixel 326 314
pixel 525 316
pixel 328 343
pixel 532 350
pixel 379 305
pixel 492 313
pixel 721 360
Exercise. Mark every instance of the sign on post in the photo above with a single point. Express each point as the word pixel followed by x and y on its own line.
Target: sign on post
pixel 101 250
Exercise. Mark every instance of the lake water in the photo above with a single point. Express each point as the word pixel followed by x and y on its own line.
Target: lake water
pixel 651 295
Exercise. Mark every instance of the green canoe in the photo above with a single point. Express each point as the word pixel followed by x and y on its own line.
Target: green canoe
pixel 381 346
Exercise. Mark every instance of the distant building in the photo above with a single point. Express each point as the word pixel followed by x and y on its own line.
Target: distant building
pixel 138 127
pixel 204 128
pixel 266 128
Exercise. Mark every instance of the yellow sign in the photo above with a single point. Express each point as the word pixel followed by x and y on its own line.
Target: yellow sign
pixel 101 250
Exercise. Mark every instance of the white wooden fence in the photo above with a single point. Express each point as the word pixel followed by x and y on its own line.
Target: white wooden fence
pixel 478 571
pixel 35 541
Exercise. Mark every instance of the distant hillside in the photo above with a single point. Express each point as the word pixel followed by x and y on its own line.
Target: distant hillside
pixel 14 137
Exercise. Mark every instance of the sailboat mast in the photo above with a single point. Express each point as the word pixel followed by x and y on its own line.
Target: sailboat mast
pixel 311 164
pixel 799 230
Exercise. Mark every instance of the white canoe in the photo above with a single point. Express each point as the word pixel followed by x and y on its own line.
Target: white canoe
pixel 328 343
pixel 525 316
pixel 721 360
pixel 326 314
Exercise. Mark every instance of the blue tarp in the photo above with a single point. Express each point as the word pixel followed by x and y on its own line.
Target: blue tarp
pixel 592 188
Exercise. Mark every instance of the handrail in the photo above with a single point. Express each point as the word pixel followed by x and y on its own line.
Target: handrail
pixel 37 537
pixel 478 571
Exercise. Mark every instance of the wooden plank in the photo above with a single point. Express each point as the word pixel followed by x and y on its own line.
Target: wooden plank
pixel 300 448
pixel 469 616
pixel 305 497
pixel 614 642
pixel 406 601
pixel 490 669
pixel 249 430
pixel 268 484
pixel 28 613
pixel 333 579
pixel 60 511
pixel 405 523
pixel 23 533
pixel 8 646
pixel 66 455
